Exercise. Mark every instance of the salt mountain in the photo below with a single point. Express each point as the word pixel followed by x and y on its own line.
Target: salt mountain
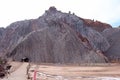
pixel 57 37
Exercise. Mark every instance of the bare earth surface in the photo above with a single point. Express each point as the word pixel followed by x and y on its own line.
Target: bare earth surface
pixel 70 72
pixel 18 72
pixel 65 72
pixel 112 70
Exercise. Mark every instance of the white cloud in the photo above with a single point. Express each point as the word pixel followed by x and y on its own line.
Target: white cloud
pixel 103 10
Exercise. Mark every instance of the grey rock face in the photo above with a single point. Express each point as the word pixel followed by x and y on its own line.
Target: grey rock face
pixel 113 38
pixel 96 40
pixel 56 44
pixel 53 37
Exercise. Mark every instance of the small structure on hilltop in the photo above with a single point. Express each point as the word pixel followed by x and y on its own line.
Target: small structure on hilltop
pixel 53 9
pixel 69 12
pixel 73 13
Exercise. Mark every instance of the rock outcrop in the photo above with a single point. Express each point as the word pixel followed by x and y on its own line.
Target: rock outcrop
pixel 113 37
pixel 96 25
pixel 1 32
pixel 55 44
pixel 54 37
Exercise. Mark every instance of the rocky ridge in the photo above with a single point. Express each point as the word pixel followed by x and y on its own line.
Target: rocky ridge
pixel 112 35
pixel 56 37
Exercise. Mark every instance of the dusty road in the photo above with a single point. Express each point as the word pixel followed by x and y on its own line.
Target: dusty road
pixel 19 73
pixel 65 72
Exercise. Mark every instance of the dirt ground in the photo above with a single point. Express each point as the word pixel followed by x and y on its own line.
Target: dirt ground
pixel 70 72
pixel 65 72
pixel 17 72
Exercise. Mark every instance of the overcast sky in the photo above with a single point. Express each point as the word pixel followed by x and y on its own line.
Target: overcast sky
pixel 103 10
